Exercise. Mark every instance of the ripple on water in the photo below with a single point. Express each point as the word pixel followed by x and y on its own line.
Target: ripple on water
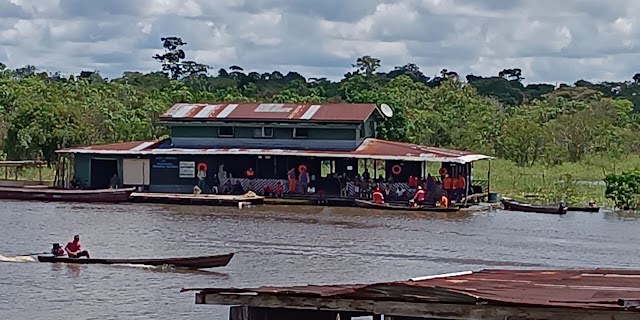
pixel 275 245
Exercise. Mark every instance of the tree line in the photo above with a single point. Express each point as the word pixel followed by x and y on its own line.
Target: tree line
pixel 494 114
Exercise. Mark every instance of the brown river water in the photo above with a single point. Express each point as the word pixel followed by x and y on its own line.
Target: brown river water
pixel 274 246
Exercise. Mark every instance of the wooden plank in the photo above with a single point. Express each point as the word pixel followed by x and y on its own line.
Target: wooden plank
pixel 418 310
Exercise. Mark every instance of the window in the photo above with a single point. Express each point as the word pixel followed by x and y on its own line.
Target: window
pixel 263 132
pixel 300 133
pixel 225 132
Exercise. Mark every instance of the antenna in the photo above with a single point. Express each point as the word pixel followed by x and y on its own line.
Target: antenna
pixel 386 110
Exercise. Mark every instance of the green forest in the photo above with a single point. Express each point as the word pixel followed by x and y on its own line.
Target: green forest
pixel 529 125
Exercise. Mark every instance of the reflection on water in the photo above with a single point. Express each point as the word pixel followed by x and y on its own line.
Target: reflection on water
pixel 276 245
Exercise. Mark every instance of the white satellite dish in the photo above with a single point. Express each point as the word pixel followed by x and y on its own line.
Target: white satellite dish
pixel 386 110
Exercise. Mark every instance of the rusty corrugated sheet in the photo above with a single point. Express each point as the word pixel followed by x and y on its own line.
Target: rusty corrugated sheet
pixel 369 149
pixel 589 289
pixel 342 112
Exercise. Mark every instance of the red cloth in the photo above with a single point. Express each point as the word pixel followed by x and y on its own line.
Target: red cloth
pixel 413 182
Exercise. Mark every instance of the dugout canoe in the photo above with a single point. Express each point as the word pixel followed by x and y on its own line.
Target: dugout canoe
pixel 203 262
pixel 513 205
pixel 66 195
pixel 387 206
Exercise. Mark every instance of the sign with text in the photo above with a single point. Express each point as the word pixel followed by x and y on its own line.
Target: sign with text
pixel 187 169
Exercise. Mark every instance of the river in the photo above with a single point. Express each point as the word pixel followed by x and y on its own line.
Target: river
pixel 274 245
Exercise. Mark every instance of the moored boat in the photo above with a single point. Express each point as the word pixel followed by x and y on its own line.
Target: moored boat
pixel 387 206
pixel 513 205
pixel 583 209
pixel 203 262
pixel 66 195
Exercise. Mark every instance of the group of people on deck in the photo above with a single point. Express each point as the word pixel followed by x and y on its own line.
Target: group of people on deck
pixel 430 191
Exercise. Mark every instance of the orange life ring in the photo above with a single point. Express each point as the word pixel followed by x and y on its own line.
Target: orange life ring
pixel 302 168
pixel 202 166
pixel 396 169
pixel 443 171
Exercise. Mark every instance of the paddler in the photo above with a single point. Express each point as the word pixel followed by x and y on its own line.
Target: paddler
pixel 74 249
pixel 57 250
pixel 420 197
pixel 378 197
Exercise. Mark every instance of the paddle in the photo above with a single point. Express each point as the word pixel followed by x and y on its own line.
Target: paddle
pixel 31 254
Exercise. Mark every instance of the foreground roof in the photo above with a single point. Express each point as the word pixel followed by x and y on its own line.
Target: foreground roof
pixel 369 149
pixel 341 112
pixel 600 289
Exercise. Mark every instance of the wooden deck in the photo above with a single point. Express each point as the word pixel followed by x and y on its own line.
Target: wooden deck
pixel 202 199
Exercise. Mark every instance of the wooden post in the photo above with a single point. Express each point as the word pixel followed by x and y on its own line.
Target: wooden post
pixel 489 179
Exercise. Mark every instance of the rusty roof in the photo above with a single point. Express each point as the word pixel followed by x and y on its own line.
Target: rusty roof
pixel 582 289
pixel 369 149
pixel 341 112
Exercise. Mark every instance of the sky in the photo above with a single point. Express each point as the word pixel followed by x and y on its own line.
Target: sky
pixel 550 40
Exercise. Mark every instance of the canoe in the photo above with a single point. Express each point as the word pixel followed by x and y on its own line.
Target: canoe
pixel 66 195
pixel 584 209
pixel 513 205
pixel 185 263
pixel 387 206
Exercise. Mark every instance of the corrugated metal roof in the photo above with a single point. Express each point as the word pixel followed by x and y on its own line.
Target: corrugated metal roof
pixel 342 112
pixel 585 289
pixel 369 149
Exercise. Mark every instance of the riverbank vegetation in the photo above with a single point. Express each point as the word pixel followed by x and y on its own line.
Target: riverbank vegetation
pixel 551 139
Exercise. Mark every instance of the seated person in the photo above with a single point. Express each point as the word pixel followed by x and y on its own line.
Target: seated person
pixel 57 250
pixel 268 192
pixel 279 190
pixel 74 249
pixel 378 197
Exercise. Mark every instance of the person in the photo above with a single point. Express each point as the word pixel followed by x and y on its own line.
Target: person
pixel 279 190
pixel 444 200
pixel 420 197
pixel 304 180
pixel 57 250
pixel 113 183
pixel 74 249
pixel 378 197
pixel 291 176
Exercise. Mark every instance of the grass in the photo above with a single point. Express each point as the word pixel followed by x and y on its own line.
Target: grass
pixel 554 183
pixel 31 174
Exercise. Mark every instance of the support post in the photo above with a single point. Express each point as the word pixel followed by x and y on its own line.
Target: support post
pixel 489 179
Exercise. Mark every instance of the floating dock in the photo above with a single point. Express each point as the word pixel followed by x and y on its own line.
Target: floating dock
pixel 191 199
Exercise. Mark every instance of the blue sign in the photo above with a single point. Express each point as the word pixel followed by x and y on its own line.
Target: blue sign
pixel 165 163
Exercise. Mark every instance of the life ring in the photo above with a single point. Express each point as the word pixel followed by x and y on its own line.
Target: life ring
pixel 202 166
pixel 396 169
pixel 443 171
pixel 302 168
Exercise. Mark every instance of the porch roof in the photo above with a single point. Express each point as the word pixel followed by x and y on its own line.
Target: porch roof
pixel 369 149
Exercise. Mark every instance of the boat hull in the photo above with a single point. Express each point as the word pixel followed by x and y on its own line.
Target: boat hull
pixel 513 205
pixel 372 205
pixel 66 195
pixel 204 262
pixel 584 209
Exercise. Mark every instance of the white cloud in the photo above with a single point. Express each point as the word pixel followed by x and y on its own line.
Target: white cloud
pixel 550 40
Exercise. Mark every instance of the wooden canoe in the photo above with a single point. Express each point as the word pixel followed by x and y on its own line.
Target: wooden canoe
pixel 584 209
pixel 513 205
pixel 185 263
pixel 66 195
pixel 387 206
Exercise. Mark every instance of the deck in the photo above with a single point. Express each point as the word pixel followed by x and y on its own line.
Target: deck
pixel 595 294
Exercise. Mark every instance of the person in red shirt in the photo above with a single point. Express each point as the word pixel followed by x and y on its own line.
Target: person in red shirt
pixel 420 197
pixel 74 249
pixel 279 190
pixel 378 197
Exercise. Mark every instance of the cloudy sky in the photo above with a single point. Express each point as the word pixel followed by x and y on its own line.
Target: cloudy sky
pixel 550 40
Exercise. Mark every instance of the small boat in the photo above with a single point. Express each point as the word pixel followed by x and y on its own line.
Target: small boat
pixel 184 263
pixel 388 206
pixel 66 195
pixel 513 205
pixel 201 199
pixel 584 209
